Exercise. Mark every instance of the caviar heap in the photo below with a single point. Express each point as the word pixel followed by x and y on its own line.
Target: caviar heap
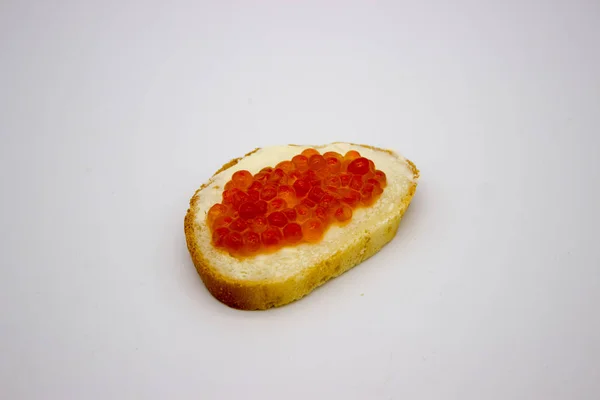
pixel 294 202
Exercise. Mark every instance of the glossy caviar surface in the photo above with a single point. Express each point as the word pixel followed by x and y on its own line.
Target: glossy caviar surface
pixel 294 202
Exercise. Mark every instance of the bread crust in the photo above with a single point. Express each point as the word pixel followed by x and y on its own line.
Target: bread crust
pixel 264 294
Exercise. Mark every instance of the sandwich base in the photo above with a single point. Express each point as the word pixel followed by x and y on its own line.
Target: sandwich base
pixel 264 294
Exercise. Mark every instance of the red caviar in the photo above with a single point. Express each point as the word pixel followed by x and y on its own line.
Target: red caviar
pixel 293 203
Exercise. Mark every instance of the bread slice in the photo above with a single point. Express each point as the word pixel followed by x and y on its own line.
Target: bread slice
pixel 272 280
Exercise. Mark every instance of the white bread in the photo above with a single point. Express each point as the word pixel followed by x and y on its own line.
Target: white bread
pixel 275 279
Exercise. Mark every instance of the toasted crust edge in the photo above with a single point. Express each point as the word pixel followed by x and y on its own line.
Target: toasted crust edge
pixel 262 295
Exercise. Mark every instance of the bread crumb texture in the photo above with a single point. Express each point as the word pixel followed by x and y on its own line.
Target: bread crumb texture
pixel 271 280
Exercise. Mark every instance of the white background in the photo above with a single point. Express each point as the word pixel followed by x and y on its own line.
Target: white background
pixel 112 114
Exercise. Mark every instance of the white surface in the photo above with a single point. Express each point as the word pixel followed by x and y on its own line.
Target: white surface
pixel 111 115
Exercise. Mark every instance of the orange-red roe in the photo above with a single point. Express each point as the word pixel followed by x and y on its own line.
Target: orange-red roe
pixel 293 203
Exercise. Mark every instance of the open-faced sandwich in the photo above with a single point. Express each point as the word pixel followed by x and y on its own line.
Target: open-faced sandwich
pixel 270 227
